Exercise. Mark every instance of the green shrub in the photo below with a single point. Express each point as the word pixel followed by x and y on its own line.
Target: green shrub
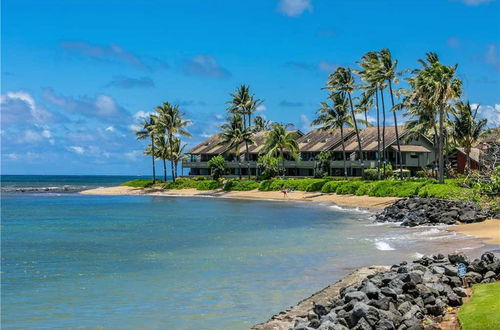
pixel 349 187
pixel 241 185
pixel 208 185
pixel 446 190
pixel 217 166
pixel 316 186
pixel 138 183
pixel 395 188
pixel 331 186
pixel 186 183
pixel 371 174
pixel 366 189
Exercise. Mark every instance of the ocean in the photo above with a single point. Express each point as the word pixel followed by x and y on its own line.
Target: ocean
pixel 150 262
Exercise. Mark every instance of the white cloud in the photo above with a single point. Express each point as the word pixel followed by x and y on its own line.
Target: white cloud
pixel 141 115
pixel 475 2
pixel 305 123
pixel 133 155
pixel 294 8
pixel 110 129
pixel 490 112
pixel 261 108
pixel 20 106
pixel 77 150
pixel 492 57
pixel 105 105
pixel 325 66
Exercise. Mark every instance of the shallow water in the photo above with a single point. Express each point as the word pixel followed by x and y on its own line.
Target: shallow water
pixel 73 260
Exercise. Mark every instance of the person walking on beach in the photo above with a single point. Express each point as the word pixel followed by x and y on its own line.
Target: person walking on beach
pixel 285 192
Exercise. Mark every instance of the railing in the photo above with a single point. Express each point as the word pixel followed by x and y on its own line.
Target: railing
pixel 288 164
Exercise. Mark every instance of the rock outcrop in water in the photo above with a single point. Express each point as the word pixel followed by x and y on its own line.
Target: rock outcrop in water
pixel 416 211
pixel 404 296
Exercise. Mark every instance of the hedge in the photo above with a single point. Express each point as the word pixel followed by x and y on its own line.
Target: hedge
pixel 292 184
pixel 185 183
pixel 138 183
pixel 241 185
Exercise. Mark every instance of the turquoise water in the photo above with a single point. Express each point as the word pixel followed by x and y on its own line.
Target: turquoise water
pixel 131 262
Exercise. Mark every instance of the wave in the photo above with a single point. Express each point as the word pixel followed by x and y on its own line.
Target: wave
pixel 349 209
pixel 42 189
pixel 383 246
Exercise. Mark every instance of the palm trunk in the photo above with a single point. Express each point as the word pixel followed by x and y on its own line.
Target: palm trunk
pixel 383 131
pixel 283 162
pixel 239 164
pixel 171 143
pixel 436 149
pixel 247 156
pixel 176 163
pixel 400 155
pixel 343 151
pixel 153 157
pixel 467 162
pixel 440 144
pixel 164 169
pixel 378 135
pixel 357 136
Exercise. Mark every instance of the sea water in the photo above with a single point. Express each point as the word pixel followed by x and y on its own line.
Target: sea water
pixel 128 262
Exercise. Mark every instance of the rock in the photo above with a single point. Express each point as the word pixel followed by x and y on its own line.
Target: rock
pixel 455 281
pixel 458 258
pixel 489 274
pixel 461 292
pixel 488 257
pixel 388 292
pixel 383 324
pixel 453 299
pixel 332 326
pixel 473 277
pixel 365 312
pixel 371 290
pixel 312 316
pixel 404 307
pixel 450 270
pixel 355 295
pixel 437 270
pixel 314 323
pixel 320 309
pixel 362 325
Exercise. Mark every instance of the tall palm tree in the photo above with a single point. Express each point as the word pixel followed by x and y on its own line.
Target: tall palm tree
pixel 335 116
pixel 162 152
pixel 149 130
pixel 436 85
pixel 467 129
pixel 244 104
pixel 260 124
pixel 234 135
pixel 388 66
pixel 342 81
pixel 369 73
pixel 279 140
pixel 172 122
pixel 176 153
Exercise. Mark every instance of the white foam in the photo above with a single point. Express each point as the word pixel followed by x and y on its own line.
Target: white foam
pixel 383 246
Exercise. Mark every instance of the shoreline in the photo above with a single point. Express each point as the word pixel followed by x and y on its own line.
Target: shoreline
pixel 353 201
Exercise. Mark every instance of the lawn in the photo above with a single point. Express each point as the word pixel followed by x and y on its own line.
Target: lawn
pixel 482 311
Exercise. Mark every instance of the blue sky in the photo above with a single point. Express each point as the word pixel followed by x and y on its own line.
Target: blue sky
pixel 78 75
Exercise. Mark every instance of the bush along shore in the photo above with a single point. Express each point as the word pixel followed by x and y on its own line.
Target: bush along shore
pixel 408 296
pixel 417 211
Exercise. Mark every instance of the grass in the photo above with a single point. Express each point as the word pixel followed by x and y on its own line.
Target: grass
pixel 138 183
pixel 482 310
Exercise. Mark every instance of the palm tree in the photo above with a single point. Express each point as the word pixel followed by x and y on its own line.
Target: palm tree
pixel 171 121
pixel 233 135
pixel 388 66
pixel 176 153
pixel 467 129
pixel 342 81
pixel 149 130
pixel 369 73
pixel 162 152
pixel 436 85
pixel 336 116
pixel 279 140
pixel 260 124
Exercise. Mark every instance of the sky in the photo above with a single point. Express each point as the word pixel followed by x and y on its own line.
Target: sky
pixel 77 77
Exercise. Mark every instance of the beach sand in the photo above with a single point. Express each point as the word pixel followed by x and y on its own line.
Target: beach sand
pixel 489 229
pixel 342 200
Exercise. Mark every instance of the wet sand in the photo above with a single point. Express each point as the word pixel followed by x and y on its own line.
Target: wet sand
pixel 489 229
pixel 342 200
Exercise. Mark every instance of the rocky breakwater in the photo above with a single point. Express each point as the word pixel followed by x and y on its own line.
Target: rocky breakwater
pixel 407 296
pixel 415 211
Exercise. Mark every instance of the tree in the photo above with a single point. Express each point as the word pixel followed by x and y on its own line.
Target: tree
pixel 342 81
pixel 234 135
pixel 162 152
pixel 176 153
pixel 333 117
pixel 217 167
pixel 435 85
pixel 149 130
pixel 389 75
pixel 269 166
pixel 279 140
pixel 171 122
pixel 244 104
pixel 467 129
pixel 260 124
pixel 322 167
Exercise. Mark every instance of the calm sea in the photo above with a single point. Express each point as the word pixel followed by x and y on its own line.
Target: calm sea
pixel 129 262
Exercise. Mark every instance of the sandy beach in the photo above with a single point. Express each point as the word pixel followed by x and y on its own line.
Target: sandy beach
pixel 489 229
pixel 342 200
